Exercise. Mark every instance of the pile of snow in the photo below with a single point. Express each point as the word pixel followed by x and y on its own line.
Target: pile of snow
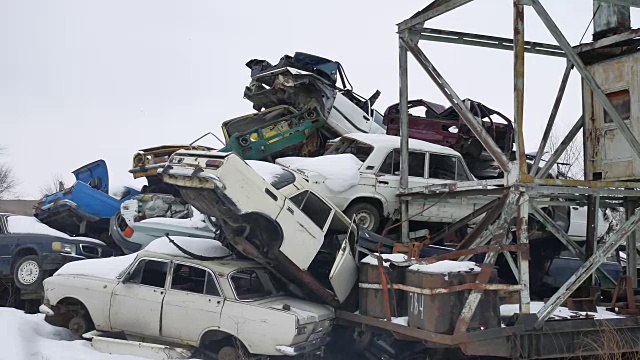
pixel 18 224
pixel 446 267
pixel 400 320
pixel 508 310
pixel 107 268
pixel 199 246
pixel 195 222
pixel 29 337
pixel 373 259
pixel 341 172
pixel 268 171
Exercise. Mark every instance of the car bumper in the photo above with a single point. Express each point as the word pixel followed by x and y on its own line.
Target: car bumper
pixel 305 347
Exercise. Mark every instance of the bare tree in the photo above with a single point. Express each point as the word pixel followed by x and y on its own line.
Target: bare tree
pixel 56 184
pixel 8 182
pixel 571 163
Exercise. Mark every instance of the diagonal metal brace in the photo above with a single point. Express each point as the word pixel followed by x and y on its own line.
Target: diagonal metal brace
pixel 586 75
pixel 563 237
pixel 587 269
pixel 564 144
pixel 468 118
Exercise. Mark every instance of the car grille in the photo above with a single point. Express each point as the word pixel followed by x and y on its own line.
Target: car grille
pixel 90 250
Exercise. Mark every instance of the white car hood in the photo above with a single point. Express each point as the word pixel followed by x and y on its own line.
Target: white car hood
pixel 306 312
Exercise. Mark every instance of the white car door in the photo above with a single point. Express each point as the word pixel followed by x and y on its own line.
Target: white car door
pixel 136 303
pixel 388 182
pixel 192 304
pixel 304 220
pixel 344 272
pixel 346 118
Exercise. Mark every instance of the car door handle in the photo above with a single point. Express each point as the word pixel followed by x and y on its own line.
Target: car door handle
pixel 383 182
pixel 290 210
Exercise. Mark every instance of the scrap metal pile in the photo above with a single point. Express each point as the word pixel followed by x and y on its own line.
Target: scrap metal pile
pixel 266 197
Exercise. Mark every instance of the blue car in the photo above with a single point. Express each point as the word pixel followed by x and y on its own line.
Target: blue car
pixel 86 207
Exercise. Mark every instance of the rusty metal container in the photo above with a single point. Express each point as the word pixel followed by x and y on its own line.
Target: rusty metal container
pixel 439 313
pixel 371 301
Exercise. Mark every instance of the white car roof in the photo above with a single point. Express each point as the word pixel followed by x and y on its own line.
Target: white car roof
pixel 393 142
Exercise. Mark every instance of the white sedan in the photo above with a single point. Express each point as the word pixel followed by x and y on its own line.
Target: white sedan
pixel 161 295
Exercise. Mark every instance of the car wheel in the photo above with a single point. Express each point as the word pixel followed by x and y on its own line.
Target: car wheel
pixel 364 214
pixel 229 353
pixel 79 325
pixel 28 273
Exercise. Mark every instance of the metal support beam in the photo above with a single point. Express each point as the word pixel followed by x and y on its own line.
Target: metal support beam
pixel 512 265
pixel 564 238
pixel 564 144
pixel 522 231
pixel 404 139
pixel 464 221
pixel 518 86
pixel 501 237
pixel 552 118
pixel 586 75
pixel 464 112
pixel 487 41
pixel 632 253
pixel 592 235
pixel 436 8
pixel 586 269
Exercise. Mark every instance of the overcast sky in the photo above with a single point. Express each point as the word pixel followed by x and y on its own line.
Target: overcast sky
pixel 82 80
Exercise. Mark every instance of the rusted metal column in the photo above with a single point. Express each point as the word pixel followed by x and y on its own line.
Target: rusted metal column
pixel 404 138
pixel 552 118
pixel 522 232
pixel 592 238
pixel 518 85
pixel 632 253
pixel 587 269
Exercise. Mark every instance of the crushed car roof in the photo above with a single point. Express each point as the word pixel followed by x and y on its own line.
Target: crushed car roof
pixel 393 142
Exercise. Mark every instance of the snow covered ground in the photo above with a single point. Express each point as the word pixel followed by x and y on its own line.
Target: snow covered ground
pixel 29 337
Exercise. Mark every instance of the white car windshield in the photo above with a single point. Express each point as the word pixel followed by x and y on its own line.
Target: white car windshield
pixel 253 284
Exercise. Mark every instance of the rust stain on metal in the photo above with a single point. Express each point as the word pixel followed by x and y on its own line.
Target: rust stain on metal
pixel 447 290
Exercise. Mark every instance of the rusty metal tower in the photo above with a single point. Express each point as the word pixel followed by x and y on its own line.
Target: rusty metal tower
pixel 610 117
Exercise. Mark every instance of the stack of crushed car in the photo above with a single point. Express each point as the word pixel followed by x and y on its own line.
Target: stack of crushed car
pixel 299 194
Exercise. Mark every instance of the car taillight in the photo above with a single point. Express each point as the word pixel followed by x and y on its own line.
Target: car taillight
pixel 213 163
pixel 128 232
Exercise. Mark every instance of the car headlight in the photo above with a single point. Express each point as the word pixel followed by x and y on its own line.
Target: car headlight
pixel 63 247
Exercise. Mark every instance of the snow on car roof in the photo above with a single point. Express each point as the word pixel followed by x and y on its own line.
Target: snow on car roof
pixel 393 142
pixel 199 246
pixel 268 171
pixel 19 224
pixel 341 171
pixel 106 268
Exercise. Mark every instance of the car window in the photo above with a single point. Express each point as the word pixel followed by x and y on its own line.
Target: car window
pixel 150 273
pixel 461 171
pixel 193 279
pixel 442 167
pixel 349 146
pixel 252 284
pixel 312 206
pixel 391 164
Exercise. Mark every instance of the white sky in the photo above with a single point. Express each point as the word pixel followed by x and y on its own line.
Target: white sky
pixel 82 80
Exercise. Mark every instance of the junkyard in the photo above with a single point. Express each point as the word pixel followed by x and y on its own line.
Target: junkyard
pixel 326 223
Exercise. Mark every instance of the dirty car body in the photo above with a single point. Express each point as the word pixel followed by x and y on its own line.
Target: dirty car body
pixel 167 298
pixel 30 251
pixel 444 126
pixel 269 214
pixel 86 207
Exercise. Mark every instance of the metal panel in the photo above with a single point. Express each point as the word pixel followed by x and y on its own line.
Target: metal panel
pixel 404 139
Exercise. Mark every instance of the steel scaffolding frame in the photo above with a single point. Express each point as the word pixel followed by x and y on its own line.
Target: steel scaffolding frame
pixel 527 191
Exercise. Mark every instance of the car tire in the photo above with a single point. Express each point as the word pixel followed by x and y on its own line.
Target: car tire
pixel 365 214
pixel 28 273
pixel 229 353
